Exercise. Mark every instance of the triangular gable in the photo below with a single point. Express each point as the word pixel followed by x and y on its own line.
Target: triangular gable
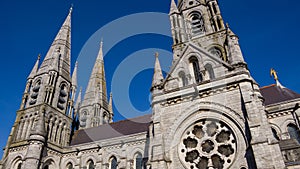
pixel 201 51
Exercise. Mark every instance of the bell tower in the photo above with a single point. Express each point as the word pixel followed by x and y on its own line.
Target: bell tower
pixel 45 115
pixel 208 111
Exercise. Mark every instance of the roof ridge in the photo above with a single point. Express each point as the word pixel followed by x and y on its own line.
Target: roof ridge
pixel 264 87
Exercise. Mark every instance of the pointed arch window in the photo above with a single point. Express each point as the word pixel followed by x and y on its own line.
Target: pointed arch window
pixel 293 132
pixel 196 69
pixel 19 166
pixel 138 161
pixel 35 92
pixel 210 71
pixel 90 164
pixel 217 52
pixel 62 97
pixel 275 135
pixel 113 163
pixel 197 23
pixel 183 78
pixel 69 166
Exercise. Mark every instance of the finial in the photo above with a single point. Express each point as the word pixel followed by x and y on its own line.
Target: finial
pixel 156 54
pixel 273 73
pixel 39 56
pixel 101 43
pixel 227 25
pixel 71 9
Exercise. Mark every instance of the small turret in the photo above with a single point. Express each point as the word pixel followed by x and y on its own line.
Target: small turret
pixel 157 76
pixel 35 68
pixel 110 106
pixel 234 50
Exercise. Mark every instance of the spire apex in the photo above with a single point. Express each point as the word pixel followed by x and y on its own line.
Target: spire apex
pixel 61 44
pixel 35 68
pixel 158 76
pixel 173 7
pixel 71 9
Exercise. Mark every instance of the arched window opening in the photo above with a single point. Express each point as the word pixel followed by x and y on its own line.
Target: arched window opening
pixel 46 167
pixel 183 78
pixel 35 92
pixel 196 69
pixel 217 52
pixel 138 161
pixel 214 8
pixel 113 163
pixel 294 132
pixel 90 164
pixel 62 97
pixel 275 135
pixel 105 118
pixel 197 23
pixel 219 23
pixel 69 166
pixel 209 69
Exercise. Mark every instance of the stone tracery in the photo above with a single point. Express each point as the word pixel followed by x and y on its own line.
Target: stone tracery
pixel 207 144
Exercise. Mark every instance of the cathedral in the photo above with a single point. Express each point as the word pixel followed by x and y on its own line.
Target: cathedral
pixel 207 113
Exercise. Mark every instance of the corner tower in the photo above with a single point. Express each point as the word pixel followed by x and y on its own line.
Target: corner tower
pixel 208 111
pixel 45 116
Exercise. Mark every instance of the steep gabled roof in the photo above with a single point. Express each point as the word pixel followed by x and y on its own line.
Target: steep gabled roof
pixel 112 130
pixel 275 94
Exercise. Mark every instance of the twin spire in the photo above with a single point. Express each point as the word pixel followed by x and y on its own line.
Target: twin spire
pixel 96 89
pixel 58 56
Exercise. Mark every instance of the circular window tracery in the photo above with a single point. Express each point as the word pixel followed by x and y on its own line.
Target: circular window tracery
pixel 207 144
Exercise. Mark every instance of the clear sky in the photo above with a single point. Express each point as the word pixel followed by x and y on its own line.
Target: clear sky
pixel 268 32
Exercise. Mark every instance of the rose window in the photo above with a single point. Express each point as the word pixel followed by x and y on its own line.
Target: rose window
pixel 208 144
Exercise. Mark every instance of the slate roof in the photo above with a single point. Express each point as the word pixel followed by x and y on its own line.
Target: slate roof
pixel 112 130
pixel 275 94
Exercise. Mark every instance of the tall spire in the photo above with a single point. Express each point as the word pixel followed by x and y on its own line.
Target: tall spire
pixel 110 106
pixel 62 42
pixel 96 89
pixel 78 102
pixel 173 8
pixel 35 68
pixel 74 75
pixel 158 76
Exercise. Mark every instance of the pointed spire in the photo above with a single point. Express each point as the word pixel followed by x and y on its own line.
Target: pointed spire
pixel 173 8
pixel 78 102
pixel 35 68
pixel 62 41
pixel 158 76
pixel 110 106
pixel 96 89
pixel 74 75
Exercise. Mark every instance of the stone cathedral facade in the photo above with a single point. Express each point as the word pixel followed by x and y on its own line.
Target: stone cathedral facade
pixel 207 113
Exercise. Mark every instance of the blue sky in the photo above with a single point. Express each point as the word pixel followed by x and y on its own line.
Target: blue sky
pixel 268 32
